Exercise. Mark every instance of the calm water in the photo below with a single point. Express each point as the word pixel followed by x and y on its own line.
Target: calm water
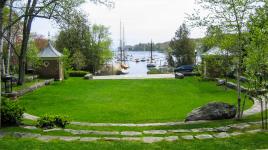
pixel 140 68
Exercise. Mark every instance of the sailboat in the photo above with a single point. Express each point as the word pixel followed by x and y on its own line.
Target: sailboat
pixel 123 64
pixel 151 64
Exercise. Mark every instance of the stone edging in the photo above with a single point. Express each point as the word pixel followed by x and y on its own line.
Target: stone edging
pixel 147 139
pixel 32 88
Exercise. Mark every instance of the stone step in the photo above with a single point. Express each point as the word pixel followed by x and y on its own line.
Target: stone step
pixel 145 139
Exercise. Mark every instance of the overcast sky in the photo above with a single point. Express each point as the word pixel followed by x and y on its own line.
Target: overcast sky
pixel 143 19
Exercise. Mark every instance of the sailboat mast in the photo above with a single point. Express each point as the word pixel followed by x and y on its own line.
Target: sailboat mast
pixel 120 47
pixel 124 51
pixel 151 51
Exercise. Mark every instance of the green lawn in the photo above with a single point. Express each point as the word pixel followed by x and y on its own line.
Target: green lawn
pixel 125 100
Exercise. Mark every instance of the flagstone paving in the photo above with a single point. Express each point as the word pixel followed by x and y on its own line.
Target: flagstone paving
pixel 222 130
pixel 145 139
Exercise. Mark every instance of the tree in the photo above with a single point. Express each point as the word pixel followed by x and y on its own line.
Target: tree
pixel 78 60
pixel 32 56
pixel 170 57
pixel 183 47
pixel 257 59
pixel 93 42
pixel 231 16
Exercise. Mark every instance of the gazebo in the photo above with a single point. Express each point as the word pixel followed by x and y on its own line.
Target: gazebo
pixel 52 66
pixel 214 62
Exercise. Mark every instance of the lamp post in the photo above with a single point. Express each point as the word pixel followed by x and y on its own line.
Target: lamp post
pixel 195 57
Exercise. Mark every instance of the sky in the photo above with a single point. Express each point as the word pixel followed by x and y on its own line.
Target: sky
pixel 144 20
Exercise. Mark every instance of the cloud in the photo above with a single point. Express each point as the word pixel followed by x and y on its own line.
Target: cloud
pixel 143 19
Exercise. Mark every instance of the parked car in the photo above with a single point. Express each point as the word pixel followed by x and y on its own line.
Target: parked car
pixel 185 68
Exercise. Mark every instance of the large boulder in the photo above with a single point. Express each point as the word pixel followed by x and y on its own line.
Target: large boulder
pixel 212 111
pixel 88 76
pixel 179 76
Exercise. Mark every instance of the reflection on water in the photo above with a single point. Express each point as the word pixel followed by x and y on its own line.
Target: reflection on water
pixel 140 68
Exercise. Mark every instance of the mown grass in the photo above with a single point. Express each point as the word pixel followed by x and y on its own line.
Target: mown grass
pixel 124 101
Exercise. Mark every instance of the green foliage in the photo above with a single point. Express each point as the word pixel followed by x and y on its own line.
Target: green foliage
pixel 51 121
pixel 78 60
pixel 11 112
pixel 147 47
pixel 66 63
pixel 46 121
pixel 77 73
pixel 93 44
pixel 183 47
pixel 170 59
pixel 256 61
pixel 32 55
pixel 214 66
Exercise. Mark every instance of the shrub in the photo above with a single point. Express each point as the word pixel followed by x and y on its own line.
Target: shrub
pixel 51 121
pixel 61 121
pixel 66 74
pixel 11 113
pixel 46 121
pixel 77 73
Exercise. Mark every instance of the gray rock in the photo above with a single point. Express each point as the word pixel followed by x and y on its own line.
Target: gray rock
pixel 187 137
pixel 236 133
pixel 51 130
pixel 69 138
pixel 222 135
pixel 111 139
pixel 222 129
pixel 180 131
pixel 89 139
pixel 179 76
pixel 203 130
pixel 155 132
pixel 212 111
pixel 240 126
pixel 204 136
pixel 254 131
pixel 220 82
pixel 105 132
pixel 131 139
pixel 88 77
pixel 171 138
pixel 29 127
pixel 131 133
pixel 2 134
pixel 25 135
pixel 231 85
pixel 152 139
pixel 46 138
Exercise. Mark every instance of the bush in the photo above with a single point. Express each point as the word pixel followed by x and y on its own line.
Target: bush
pixel 66 74
pixel 46 122
pixel 78 73
pixel 61 121
pixel 11 113
pixel 51 121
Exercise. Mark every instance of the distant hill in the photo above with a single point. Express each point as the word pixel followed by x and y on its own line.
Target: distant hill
pixel 156 47
pixel 147 47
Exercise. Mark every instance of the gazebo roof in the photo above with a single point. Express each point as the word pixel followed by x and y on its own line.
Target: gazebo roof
pixel 215 51
pixel 49 52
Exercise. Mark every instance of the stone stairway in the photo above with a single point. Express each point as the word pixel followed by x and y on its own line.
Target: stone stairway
pixel 144 136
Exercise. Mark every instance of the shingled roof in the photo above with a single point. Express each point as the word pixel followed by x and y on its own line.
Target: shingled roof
pixel 49 52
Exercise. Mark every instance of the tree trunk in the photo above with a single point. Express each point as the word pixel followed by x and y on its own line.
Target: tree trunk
pixel 9 38
pixel 2 5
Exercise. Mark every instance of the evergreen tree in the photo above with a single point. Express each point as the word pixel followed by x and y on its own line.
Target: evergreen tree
pixel 182 46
